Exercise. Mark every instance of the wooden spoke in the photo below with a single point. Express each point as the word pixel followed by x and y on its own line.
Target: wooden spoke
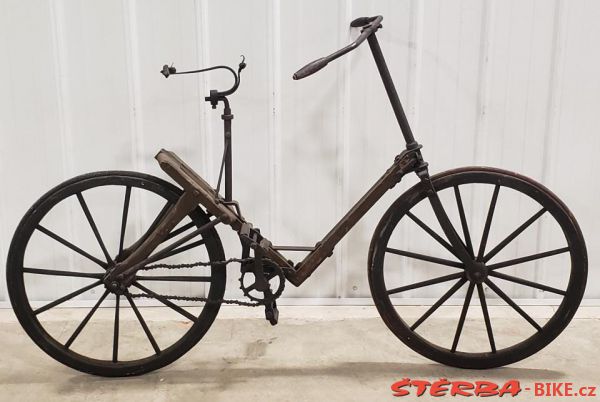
pixel 180 230
pixel 432 233
pixel 511 303
pixel 463 221
pixel 66 297
pixel 425 283
pixel 463 315
pixel 522 260
pixel 124 217
pixel 166 252
pixel 160 216
pixel 488 223
pixel 181 249
pixel 90 219
pixel 427 258
pixel 152 227
pixel 166 302
pixel 486 317
pixel 40 271
pixel 513 235
pixel 527 283
pixel 71 246
pixel 143 324
pixel 115 353
pixel 438 303
pixel 86 320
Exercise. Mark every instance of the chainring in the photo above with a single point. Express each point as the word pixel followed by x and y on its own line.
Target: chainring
pixel 272 272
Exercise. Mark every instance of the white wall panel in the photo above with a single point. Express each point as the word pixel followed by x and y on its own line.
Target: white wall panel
pixel 512 84
pixel 31 116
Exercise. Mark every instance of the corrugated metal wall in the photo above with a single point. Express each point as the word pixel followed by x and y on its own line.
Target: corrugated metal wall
pixel 512 84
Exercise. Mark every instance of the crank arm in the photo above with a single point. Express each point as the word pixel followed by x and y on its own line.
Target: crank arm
pixel 260 282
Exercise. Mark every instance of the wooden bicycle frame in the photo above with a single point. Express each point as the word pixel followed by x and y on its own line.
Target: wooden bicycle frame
pixel 197 191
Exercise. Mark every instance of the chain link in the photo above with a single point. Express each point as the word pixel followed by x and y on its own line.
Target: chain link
pixel 198 264
pixel 198 299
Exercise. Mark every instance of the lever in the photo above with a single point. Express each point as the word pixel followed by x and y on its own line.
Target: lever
pixel 242 64
pixel 166 70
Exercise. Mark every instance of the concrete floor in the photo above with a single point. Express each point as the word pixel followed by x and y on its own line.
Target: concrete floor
pixel 314 354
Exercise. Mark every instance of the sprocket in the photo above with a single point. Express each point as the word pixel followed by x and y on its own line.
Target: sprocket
pixel 274 276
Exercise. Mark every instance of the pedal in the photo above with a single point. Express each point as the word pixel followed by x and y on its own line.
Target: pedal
pixel 272 313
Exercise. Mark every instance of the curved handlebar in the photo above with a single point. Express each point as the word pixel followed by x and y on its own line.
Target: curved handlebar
pixel 167 71
pixel 370 25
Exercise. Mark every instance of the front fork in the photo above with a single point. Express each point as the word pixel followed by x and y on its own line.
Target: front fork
pixel 460 250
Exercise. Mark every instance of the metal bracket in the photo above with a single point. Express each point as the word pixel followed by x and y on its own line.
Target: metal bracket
pixel 409 160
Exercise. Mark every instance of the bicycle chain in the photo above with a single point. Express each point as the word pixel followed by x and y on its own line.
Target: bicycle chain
pixel 198 299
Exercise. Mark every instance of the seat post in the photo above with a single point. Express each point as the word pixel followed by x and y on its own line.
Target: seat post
pixel 227 117
pixel 391 92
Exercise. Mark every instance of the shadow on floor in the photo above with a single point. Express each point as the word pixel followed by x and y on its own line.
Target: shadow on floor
pixel 226 375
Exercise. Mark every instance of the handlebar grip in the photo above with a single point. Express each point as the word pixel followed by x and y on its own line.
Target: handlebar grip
pixel 310 68
pixel 361 21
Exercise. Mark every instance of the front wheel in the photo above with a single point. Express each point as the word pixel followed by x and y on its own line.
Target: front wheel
pixel 61 251
pixel 527 244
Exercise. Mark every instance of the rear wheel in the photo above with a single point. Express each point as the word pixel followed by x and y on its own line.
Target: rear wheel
pixel 527 244
pixel 60 253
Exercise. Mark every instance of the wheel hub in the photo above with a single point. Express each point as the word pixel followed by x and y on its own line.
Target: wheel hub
pixel 114 285
pixel 477 272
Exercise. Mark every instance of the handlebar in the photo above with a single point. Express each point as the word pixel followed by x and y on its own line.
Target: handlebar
pixel 369 26
pixel 214 94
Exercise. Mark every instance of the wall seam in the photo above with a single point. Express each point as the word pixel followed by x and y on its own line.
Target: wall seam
pixel 479 206
pixel 203 55
pixel 201 32
pixel 552 117
pixel 61 71
pixel 63 101
pixel 274 133
pixel 416 61
pixel 482 81
pixel 133 80
pixel 3 207
pixel 135 110
pixel 342 148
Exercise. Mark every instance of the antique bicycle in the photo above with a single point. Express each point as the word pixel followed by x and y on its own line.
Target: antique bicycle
pixel 184 224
